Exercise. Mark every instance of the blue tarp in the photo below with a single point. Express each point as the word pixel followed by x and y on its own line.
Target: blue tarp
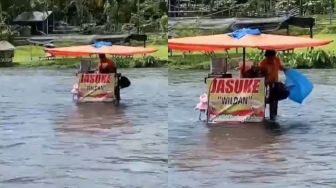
pixel 245 31
pixel 101 44
pixel 298 85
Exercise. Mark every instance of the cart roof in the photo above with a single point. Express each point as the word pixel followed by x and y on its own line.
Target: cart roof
pixel 262 41
pixel 86 50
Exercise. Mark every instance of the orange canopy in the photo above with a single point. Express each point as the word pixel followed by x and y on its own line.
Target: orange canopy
pixel 262 41
pixel 90 50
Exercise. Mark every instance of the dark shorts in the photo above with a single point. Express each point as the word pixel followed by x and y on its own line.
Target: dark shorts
pixel 278 91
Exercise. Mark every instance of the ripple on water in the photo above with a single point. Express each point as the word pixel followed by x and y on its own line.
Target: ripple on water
pixel 297 151
pixel 48 141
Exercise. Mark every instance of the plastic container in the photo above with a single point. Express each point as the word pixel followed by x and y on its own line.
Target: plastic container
pixel 218 65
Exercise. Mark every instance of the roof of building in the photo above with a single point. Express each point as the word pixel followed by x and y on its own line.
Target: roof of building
pixel 6 46
pixel 34 16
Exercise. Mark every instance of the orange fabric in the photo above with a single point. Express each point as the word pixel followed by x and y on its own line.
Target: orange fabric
pixel 194 48
pixel 271 66
pixel 86 50
pixel 107 66
pixel 263 41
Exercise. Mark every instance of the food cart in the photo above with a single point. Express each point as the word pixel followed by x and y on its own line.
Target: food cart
pixel 90 85
pixel 238 99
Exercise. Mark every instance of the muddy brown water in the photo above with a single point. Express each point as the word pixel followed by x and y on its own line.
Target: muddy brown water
pixel 48 141
pixel 297 151
pixel 154 138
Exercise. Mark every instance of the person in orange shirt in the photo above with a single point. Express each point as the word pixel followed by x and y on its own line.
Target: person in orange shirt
pixel 106 65
pixel 271 66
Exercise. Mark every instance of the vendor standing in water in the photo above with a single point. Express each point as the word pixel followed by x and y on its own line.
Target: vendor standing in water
pixel 271 66
pixel 106 65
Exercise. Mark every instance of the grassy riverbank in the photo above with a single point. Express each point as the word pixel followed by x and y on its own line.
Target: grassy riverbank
pixel 320 57
pixel 34 56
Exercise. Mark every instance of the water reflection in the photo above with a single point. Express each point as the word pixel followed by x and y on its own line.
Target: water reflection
pixel 237 138
pixel 295 151
pixel 48 141
pixel 94 117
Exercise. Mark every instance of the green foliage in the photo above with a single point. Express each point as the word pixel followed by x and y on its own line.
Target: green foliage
pixel 23 54
pixel 149 61
pixel 158 39
pixel 189 61
pixel 242 8
pixel 255 56
pixel 57 63
pixel 309 59
pixel 126 11
pixel 322 59
pixel 302 60
pixel 143 62
pixel 187 31
pixel 6 33
pixel 164 23
pixel 122 62
pixel 127 27
pixel 112 13
pixel 329 29
pixel 284 4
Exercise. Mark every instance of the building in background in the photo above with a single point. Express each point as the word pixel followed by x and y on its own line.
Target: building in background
pixel 40 22
pixel 6 54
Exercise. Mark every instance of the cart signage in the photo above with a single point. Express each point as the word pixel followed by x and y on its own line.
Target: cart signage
pixel 96 87
pixel 95 78
pixel 236 99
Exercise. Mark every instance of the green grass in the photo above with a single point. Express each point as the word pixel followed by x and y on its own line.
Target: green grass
pixel 331 46
pixel 162 52
pixel 24 54
pixel 29 56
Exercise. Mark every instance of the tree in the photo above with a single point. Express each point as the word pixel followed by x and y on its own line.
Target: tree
pixel 77 12
pixel 164 23
pixel 2 19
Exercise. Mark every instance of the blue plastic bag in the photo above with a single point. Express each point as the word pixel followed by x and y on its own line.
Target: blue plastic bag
pixel 298 85
pixel 242 32
pixel 100 44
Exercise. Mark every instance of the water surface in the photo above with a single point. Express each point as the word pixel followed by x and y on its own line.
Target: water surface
pixel 297 151
pixel 48 141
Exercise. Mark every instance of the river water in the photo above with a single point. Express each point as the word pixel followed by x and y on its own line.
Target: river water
pixel 48 141
pixel 297 151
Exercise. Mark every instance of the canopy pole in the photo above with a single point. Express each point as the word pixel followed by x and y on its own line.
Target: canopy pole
pixel 244 54
pixel 31 52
